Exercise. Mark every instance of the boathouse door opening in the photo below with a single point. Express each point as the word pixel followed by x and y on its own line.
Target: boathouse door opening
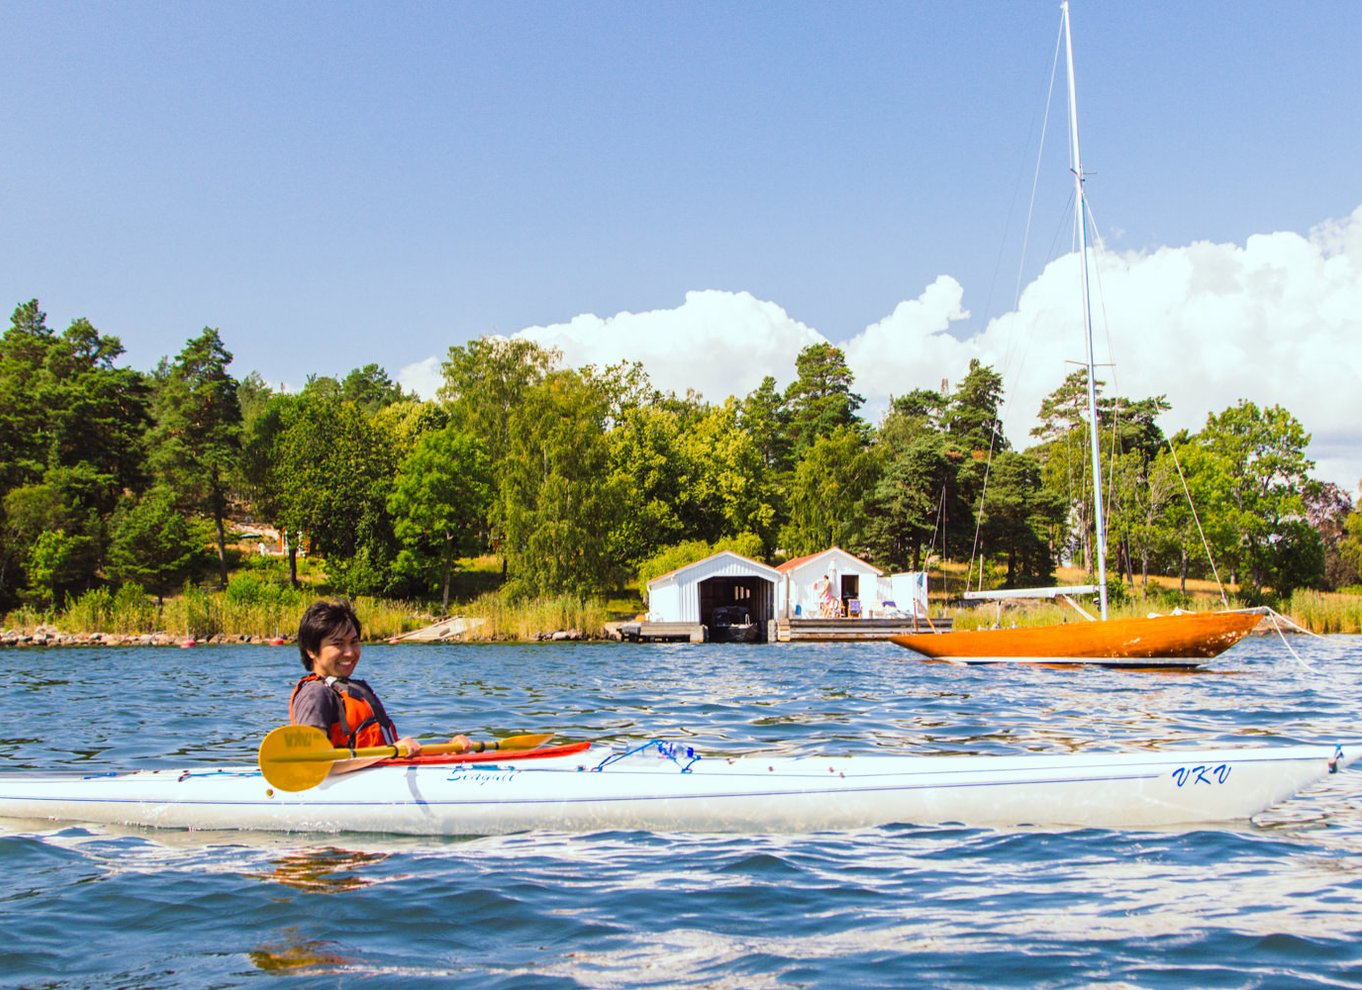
pixel 756 594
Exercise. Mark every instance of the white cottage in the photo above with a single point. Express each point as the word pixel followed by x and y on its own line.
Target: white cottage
pixel 829 583
pixel 835 582
pixel 693 592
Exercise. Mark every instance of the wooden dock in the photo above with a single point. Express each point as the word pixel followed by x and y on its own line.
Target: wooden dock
pixel 657 632
pixel 778 630
pixel 810 630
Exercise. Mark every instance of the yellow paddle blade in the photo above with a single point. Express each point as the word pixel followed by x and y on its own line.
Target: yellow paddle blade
pixel 296 757
pixel 299 757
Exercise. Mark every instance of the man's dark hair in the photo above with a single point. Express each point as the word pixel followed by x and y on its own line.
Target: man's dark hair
pixel 321 620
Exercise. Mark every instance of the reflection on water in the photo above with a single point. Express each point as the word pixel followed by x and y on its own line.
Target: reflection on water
pixel 295 953
pixel 327 870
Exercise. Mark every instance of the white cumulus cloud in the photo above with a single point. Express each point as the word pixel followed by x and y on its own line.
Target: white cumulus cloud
pixel 1276 320
pixel 422 377
pixel 718 343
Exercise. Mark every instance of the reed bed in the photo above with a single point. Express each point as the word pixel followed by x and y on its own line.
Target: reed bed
pixel 261 609
pixel 535 618
pixel 249 607
pixel 1326 612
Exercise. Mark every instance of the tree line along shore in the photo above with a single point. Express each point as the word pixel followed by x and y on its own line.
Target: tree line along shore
pixel 543 497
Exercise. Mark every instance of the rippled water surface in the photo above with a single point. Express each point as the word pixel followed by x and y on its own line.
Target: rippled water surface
pixel 1275 902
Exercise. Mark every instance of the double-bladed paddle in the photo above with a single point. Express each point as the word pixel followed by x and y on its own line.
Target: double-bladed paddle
pixel 298 757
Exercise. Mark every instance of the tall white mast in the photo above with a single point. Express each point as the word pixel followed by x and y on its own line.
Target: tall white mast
pixel 1081 218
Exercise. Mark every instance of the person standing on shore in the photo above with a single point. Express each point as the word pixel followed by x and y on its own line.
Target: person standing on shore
pixel 330 698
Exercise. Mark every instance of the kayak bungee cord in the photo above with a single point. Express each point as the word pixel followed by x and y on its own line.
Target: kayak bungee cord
pixel 667 750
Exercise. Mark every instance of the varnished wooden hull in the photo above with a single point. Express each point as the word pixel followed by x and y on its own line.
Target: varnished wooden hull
pixel 1164 640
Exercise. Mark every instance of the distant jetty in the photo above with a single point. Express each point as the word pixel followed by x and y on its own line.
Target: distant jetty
pixel 457 628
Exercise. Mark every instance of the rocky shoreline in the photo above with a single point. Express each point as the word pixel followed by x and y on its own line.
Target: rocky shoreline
pixel 445 632
pixel 51 636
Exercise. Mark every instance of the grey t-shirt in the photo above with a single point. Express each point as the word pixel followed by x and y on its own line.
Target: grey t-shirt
pixel 319 704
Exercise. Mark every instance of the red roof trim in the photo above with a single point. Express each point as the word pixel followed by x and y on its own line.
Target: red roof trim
pixel 790 565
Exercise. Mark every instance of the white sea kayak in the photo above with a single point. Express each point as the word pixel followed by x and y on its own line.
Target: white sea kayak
pixel 659 786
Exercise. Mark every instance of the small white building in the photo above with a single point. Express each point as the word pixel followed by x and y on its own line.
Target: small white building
pixel 835 582
pixel 831 582
pixel 693 592
pixel 905 593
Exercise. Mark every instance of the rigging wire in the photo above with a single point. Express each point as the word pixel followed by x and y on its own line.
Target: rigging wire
pixel 1204 542
pixel 979 517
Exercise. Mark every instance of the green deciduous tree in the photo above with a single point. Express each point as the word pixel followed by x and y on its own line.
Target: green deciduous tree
pixel 253 395
pixel 1260 468
pixel 154 545
pixel 649 473
pixel 1350 544
pixel 264 470
pixel 1327 508
pixel 485 381
pixel 54 561
pixel 830 484
pixel 65 505
pixel 336 468
pixel 688 472
pixel 728 490
pixel 559 499
pixel 439 504
pixel 1132 444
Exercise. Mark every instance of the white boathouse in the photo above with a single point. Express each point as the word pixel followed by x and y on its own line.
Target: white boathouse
pixel 692 593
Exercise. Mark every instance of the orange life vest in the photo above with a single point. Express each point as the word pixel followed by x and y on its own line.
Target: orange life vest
pixel 359 723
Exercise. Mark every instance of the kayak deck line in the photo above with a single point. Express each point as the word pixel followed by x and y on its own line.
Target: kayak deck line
pixel 797 766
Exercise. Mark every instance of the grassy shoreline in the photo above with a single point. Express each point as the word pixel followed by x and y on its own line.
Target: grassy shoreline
pixel 213 617
pixel 259 606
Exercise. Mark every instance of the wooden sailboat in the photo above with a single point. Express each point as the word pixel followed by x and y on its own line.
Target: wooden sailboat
pixel 1180 640
pixel 1185 640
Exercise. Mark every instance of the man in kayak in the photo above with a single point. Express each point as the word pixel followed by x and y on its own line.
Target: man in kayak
pixel 328 698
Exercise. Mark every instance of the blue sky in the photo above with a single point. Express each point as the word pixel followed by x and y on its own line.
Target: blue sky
pixel 334 184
